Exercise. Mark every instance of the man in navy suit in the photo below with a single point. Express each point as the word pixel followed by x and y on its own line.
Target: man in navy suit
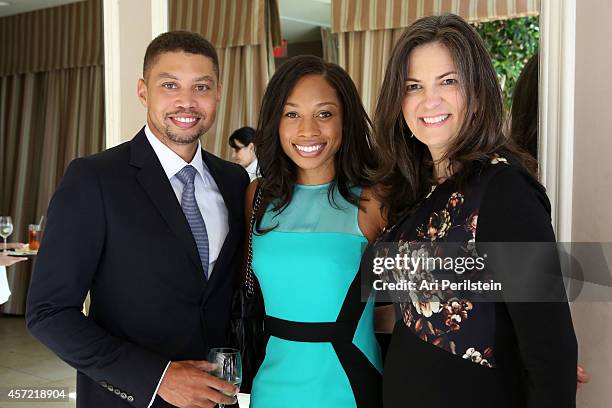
pixel 153 229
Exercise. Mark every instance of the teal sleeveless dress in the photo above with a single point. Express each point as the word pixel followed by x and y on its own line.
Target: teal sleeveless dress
pixel 322 351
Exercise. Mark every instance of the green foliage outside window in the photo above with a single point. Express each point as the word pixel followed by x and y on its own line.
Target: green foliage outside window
pixel 511 43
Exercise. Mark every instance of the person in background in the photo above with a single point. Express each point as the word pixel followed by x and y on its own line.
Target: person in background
pixel 7 260
pixel 524 129
pixel 243 150
pixel 524 124
pixel 450 175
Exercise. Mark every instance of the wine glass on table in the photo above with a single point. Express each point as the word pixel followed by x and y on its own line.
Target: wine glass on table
pixel 6 228
pixel 228 366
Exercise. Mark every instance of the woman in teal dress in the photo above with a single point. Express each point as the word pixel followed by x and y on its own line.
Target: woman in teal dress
pixel 316 216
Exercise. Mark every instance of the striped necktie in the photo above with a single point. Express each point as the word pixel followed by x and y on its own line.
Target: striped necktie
pixel 192 213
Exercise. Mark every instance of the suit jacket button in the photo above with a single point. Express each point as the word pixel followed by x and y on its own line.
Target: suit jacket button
pixel 130 398
pixel 123 395
pixel 110 387
pixel 104 384
pixel 117 391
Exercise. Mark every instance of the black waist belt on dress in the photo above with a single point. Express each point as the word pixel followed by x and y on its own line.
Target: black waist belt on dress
pixel 309 332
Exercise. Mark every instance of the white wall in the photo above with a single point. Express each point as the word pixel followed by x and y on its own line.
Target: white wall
pixel 129 26
pixel 592 198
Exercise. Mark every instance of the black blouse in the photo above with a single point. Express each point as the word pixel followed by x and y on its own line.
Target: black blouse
pixel 448 349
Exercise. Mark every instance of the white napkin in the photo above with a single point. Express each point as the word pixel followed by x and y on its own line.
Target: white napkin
pixel 5 292
pixel 244 400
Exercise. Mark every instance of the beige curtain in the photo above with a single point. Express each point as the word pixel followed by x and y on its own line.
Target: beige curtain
pixel 367 30
pixel 52 38
pixel 51 111
pixel 244 33
pixel 365 15
pixel 330 45
pixel 244 76
pixel 364 55
pixel 48 119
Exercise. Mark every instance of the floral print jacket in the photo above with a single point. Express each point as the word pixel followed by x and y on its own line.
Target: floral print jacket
pixel 447 319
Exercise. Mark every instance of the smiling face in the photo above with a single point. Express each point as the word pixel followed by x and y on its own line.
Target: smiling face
pixel 433 105
pixel 311 129
pixel 181 93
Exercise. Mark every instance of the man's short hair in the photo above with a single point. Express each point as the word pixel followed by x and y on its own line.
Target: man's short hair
pixel 244 135
pixel 176 41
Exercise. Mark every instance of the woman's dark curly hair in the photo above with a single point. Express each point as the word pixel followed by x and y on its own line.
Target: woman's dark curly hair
pixel 354 159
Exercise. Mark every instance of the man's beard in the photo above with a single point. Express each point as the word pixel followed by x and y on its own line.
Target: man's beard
pixel 190 137
pixel 184 139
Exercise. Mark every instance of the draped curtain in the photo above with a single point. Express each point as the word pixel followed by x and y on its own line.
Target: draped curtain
pixel 330 45
pixel 367 30
pixel 244 33
pixel 51 111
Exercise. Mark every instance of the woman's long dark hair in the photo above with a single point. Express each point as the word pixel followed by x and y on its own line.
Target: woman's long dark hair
pixel 406 171
pixel 524 127
pixel 354 159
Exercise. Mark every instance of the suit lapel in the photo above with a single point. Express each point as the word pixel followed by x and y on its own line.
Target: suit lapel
pixel 220 268
pixel 155 182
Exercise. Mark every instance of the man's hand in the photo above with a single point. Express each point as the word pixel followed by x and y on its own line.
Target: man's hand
pixel 13 245
pixel 187 384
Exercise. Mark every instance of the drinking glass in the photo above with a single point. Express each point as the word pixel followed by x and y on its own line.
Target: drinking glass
pixel 6 228
pixel 228 366
pixel 34 237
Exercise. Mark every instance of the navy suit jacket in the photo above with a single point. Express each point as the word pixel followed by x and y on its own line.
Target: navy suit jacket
pixel 116 229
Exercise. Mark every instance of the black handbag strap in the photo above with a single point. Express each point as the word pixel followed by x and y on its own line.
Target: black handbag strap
pixel 250 278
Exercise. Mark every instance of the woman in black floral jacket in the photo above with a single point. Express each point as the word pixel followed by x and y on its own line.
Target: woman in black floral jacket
pixel 451 181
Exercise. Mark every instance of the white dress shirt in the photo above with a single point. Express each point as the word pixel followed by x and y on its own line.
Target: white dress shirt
pixel 252 170
pixel 209 199
pixel 210 202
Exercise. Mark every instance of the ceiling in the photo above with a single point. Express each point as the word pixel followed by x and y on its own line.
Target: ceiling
pixel 23 6
pixel 300 19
